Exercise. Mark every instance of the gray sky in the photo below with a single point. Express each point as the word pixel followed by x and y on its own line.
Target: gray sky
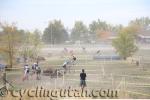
pixel 31 14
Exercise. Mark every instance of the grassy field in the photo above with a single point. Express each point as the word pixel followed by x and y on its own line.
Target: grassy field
pixel 130 80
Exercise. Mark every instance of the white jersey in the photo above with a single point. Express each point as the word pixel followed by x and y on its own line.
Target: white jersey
pixel 26 69
pixel 65 63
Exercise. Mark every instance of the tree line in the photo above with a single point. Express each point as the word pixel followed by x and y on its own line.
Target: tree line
pixel 17 42
pixel 56 33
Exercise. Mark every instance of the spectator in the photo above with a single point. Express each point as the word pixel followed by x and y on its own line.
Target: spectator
pixel 38 72
pixel 26 72
pixel 82 79
pixel 34 68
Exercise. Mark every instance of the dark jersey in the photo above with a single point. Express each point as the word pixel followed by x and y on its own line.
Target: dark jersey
pixel 74 58
pixel 82 76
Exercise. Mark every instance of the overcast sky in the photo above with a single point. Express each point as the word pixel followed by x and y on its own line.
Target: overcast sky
pixel 31 14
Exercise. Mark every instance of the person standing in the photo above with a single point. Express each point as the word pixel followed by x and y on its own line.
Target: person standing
pixel 33 69
pixel 82 79
pixel 26 72
pixel 38 72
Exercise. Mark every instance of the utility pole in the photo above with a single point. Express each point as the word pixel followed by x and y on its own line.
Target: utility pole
pixel 51 36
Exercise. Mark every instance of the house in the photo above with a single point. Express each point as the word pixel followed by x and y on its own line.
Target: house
pixel 113 35
pixel 107 36
pixel 144 35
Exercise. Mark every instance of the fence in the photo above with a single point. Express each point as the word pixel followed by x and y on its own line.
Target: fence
pixel 123 85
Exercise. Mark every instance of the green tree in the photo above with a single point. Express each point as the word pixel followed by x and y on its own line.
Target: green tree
pixel 98 28
pixel 79 31
pixel 100 25
pixel 117 28
pixel 31 45
pixel 10 40
pixel 55 33
pixel 140 22
pixel 124 44
pixel 132 30
pixel 136 26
